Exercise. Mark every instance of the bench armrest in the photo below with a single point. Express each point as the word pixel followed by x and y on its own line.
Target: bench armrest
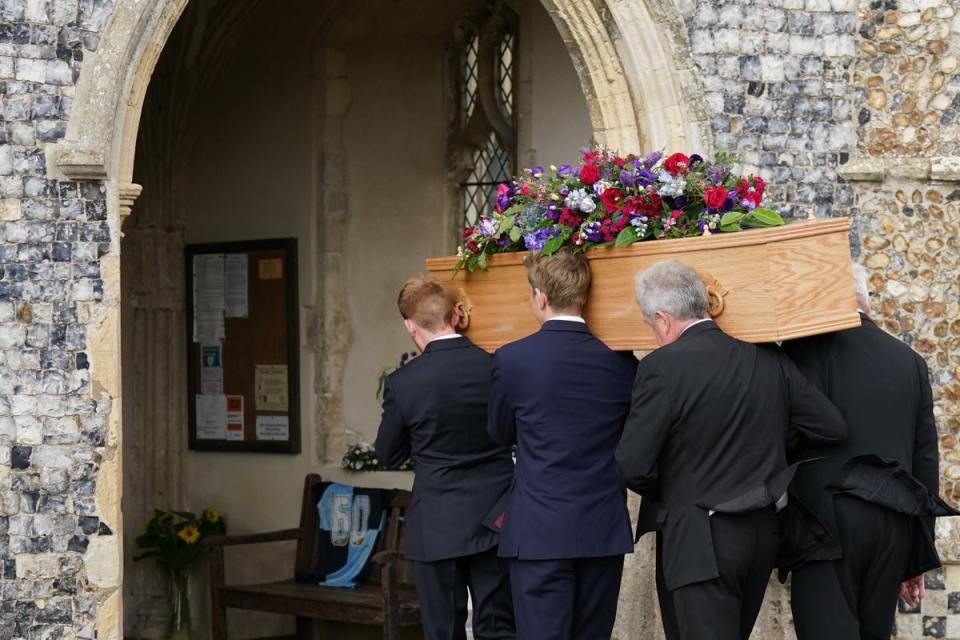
pixel 252 538
pixel 384 558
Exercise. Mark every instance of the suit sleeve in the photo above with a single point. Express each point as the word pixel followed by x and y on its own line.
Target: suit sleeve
pixel 813 418
pixel 501 420
pixel 644 432
pixel 393 436
pixel 926 454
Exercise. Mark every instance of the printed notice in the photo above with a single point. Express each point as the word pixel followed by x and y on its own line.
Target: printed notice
pixel 273 428
pixel 211 369
pixel 234 417
pixel 211 417
pixel 208 298
pixel 235 287
pixel 270 268
pixel 271 387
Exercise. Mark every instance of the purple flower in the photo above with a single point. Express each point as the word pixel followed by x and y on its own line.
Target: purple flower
pixel 627 179
pixel 645 178
pixel 553 212
pixel 535 240
pixel 487 227
pixel 716 173
pixel 652 159
pixel 564 191
pixel 593 231
pixel 680 202
pixel 695 159
pixel 566 171
pixel 504 240
pixel 537 171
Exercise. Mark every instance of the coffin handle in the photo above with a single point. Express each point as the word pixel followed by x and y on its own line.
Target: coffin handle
pixel 715 293
pixel 464 307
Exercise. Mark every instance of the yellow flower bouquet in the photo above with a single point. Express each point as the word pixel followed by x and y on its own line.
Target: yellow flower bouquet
pixel 173 539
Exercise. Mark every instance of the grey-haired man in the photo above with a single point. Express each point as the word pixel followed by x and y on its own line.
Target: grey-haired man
pixel 705 445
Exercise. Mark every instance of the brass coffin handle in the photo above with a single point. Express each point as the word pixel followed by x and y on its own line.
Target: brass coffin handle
pixel 715 293
pixel 464 307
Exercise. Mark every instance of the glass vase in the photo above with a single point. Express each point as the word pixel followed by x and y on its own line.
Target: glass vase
pixel 180 625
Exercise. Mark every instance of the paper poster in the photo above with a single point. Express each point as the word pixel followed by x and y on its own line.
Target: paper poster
pixel 271 268
pixel 211 417
pixel 234 417
pixel 236 297
pixel 211 369
pixel 208 298
pixel 273 428
pixel 271 386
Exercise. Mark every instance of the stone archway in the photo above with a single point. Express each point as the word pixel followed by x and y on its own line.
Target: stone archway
pixel 633 62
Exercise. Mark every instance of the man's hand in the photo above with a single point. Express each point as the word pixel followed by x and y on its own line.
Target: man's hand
pixel 912 591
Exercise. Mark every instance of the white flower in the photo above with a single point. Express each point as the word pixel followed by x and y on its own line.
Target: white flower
pixel 575 197
pixel 587 205
pixel 600 186
pixel 671 186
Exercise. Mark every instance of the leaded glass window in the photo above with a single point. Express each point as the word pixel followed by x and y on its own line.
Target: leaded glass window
pixel 483 136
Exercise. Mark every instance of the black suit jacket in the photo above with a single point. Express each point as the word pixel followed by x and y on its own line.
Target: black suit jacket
pixel 882 388
pixel 707 431
pixel 435 410
pixel 562 396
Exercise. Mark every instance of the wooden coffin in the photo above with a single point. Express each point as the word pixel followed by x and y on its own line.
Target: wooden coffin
pixel 765 285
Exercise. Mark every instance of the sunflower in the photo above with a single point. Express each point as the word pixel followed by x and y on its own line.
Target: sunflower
pixel 211 515
pixel 189 534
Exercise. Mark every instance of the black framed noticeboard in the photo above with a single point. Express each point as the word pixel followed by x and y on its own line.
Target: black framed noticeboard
pixel 243 379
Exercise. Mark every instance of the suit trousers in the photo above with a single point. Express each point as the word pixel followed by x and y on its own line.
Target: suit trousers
pixel 856 595
pixel 726 607
pixel 442 588
pixel 568 599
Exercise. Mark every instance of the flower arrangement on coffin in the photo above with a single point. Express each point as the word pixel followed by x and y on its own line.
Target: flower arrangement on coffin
pixel 173 539
pixel 612 200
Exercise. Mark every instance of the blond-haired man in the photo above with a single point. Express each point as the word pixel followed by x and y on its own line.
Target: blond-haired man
pixel 435 411
pixel 561 395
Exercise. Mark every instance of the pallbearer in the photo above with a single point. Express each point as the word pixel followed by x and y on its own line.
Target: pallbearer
pixel 561 395
pixel 705 445
pixel 877 494
pixel 435 411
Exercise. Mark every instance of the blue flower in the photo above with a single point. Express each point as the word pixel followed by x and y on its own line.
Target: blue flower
pixel 535 240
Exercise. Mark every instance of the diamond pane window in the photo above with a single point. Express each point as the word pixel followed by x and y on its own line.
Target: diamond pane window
pixel 483 117
pixel 490 166
pixel 505 72
pixel 471 56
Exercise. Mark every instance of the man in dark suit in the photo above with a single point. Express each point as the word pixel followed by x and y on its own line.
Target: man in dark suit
pixel 561 395
pixel 705 445
pixel 847 585
pixel 435 411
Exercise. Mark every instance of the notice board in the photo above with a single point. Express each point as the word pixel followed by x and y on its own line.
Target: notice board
pixel 242 346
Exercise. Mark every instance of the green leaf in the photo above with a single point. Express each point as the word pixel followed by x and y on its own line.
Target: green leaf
pixel 731 218
pixel 552 245
pixel 515 234
pixel 482 261
pixel 767 217
pixel 505 223
pixel 730 228
pixel 626 237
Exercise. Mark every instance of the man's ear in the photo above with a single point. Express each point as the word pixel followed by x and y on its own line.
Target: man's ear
pixel 540 298
pixel 411 327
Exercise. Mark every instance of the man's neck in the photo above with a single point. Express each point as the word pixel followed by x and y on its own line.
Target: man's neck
pixel 693 322
pixel 443 334
pixel 550 314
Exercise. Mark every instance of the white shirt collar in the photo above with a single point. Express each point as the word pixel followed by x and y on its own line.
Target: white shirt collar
pixel 449 336
pixel 693 323
pixel 568 319
pixel 859 310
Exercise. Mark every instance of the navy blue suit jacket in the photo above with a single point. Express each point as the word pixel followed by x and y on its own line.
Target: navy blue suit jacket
pixel 562 396
pixel 435 411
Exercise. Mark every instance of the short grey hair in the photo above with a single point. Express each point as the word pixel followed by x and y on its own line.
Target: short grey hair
pixel 861 284
pixel 672 287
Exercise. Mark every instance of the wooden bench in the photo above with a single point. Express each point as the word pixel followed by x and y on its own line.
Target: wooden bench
pixel 386 597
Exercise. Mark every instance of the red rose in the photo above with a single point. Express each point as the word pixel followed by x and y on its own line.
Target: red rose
pixel 677 164
pixel 618 161
pixel 589 174
pixel 591 157
pixel 611 199
pixel 570 219
pixel 715 197
pixel 676 213
pixel 652 206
